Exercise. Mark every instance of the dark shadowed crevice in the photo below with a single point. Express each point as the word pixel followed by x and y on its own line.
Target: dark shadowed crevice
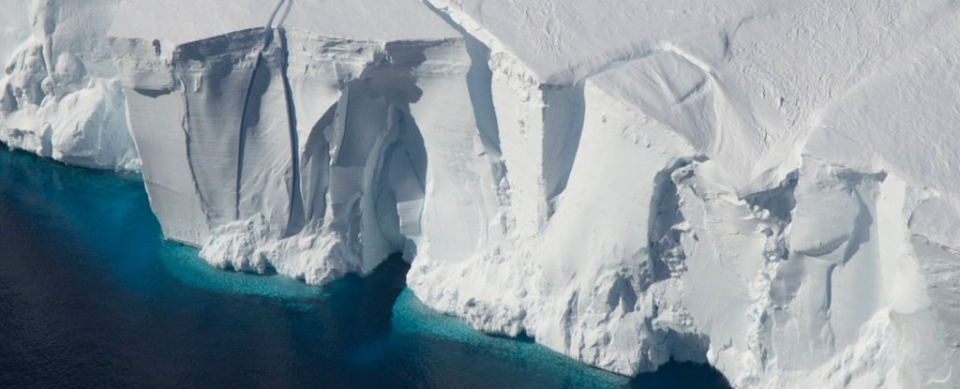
pixel 861 229
pixel 276 10
pixel 521 337
pixel 295 218
pixel 623 294
pixel 681 375
pixel 665 255
pixel 780 203
pixel 250 115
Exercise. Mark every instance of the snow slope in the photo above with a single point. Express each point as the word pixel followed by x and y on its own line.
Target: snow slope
pixel 767 186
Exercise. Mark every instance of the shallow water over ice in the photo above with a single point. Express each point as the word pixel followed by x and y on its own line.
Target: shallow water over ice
pixel 90 296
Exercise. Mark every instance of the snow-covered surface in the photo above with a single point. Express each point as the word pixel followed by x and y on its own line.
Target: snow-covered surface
pixel 182 21
pixel 768 186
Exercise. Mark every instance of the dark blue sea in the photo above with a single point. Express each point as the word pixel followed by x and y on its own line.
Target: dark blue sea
pixel 92 297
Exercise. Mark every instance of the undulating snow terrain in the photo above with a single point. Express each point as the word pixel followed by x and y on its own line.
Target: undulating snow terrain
pixel 770 186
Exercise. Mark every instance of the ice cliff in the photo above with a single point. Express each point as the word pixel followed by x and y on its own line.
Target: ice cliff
pixel 59 95
pixel 768 186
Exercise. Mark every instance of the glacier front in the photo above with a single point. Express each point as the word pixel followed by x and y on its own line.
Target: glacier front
pixel 59 94
pixel 767 186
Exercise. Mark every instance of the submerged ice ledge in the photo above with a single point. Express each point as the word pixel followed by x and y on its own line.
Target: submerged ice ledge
pixel 622 194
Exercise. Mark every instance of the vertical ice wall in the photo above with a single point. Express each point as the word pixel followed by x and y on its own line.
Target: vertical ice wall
pixel 801 247
pixel 309 154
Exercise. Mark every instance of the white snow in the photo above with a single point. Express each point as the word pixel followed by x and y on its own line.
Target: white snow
pixel 59 96
pixel 768 186
pixel 183 21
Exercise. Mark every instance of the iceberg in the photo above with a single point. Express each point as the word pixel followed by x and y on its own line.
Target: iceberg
pixel 767 187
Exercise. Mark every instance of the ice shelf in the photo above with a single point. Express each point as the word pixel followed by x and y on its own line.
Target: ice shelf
pixel 771 187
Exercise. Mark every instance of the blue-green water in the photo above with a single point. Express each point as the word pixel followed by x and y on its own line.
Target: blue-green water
pixel 91 296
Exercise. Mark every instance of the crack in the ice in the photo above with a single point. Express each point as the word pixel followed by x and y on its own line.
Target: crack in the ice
pixel 185 127
pixel 243 132
pixel 296 201
pixel 269 31
pixel 276 10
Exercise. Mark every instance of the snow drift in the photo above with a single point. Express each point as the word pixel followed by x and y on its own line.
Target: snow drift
pixel 770 187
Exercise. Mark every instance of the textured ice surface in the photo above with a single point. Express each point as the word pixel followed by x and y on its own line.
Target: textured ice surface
pixel 59 96
pixel 767 186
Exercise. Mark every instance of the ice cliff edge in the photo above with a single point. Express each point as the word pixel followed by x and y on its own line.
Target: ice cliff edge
pixel 767 186
pixel 59 95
